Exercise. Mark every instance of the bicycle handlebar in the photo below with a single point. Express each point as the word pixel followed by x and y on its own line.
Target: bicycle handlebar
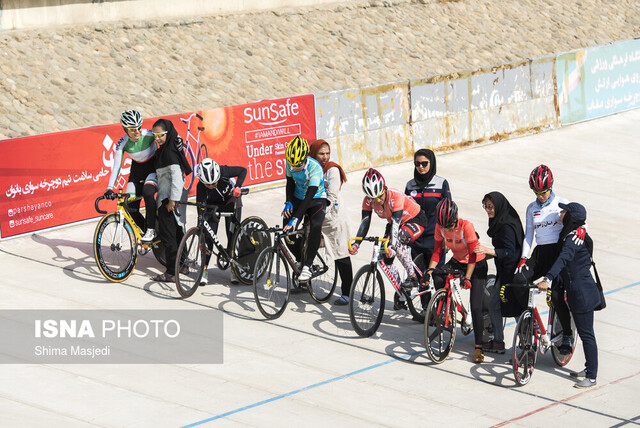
pixel 370 239
pixel 504 299
pixel 120 195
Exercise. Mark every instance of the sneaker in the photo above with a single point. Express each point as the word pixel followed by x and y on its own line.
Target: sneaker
pixel 566 348
pixel 205 278
pixel 478 356
pixel 410 283
pixel 342 301
pixel 585 383
pixel 577 375
pixel 493 346
pixel 232 277
pixel 305 275
pixel 148 236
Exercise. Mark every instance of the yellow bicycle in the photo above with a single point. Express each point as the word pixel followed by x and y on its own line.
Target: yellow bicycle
pixel 118 240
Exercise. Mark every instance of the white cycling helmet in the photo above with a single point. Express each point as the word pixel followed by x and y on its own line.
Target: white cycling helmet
pixel 373 183
pixel 208 171
pixel 131 119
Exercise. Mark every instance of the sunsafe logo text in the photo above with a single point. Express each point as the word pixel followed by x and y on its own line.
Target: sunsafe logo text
pixel 272 114
pixel 106 328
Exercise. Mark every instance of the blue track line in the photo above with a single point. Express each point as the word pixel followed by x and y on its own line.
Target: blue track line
pixel 344 376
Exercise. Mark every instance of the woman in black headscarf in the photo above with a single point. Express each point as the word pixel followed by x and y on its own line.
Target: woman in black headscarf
pixel 427 189
pixel 506 233
pixel 171 165
pixel 573 266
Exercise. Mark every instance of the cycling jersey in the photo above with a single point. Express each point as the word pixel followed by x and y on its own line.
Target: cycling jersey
pixel 395 201
pixel 310 176
pixel 543 220
pixel 140 151
pixel 462 240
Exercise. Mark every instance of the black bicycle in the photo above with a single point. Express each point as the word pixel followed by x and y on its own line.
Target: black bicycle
pixel 272 281
pixel 249 238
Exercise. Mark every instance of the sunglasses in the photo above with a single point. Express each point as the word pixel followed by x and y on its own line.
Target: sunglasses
pixel 159 134
pixel 541 192
pixel 423 164
pixel 137 129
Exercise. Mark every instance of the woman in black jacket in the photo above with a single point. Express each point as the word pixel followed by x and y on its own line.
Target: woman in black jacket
pixel 573 266
pixel 507 234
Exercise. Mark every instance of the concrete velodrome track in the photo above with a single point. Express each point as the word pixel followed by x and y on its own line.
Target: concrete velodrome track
pixel 309 368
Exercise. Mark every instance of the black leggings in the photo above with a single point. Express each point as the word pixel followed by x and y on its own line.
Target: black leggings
pixel 137 177
pixel 214 221
pixel 542 258
pixel 478 282
pixel 315 217
pixel 170 234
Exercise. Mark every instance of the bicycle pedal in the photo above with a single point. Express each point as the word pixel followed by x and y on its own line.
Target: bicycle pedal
pixel 143 250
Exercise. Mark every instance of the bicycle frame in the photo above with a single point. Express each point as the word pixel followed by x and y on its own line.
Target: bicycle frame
pixel 453 290
pixel 195 158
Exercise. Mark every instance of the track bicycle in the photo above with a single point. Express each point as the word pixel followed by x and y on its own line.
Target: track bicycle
pixel 272 282
pixel 249 238
pixel 201 150
pixel 441 317
pixel 367 296
pixel 118 240
pixel 530 336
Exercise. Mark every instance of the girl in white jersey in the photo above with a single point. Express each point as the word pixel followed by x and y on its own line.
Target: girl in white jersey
pixel 543 222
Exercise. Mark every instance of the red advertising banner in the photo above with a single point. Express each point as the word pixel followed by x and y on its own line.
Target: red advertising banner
pixel 53 179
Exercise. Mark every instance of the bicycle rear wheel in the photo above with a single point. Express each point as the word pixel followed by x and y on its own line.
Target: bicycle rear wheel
pixel 417 305
pixel 366 301
pixel 556 338
pixel 249 241
pixel 271 283
pixel 440 330
pixel 525 348
pixel 190 262
pixel 158 251
pixel 114 247
pixel 321 287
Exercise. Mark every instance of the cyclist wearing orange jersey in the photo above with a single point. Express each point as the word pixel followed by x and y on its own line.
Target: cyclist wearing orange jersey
pixel 406 221
pixel 461 238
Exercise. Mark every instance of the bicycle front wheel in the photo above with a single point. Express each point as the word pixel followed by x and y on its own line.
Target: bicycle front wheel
pixel 190 262
pixel 440 326
pixel 114 247
pixel 366 301
pixel 248 242
pixel 271 283
pixel 525 348
pixel 556 340
pixel 321 287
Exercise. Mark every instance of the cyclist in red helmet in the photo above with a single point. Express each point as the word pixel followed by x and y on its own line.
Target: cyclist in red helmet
pixel 459 236
pixel 543 222
pixel 406 221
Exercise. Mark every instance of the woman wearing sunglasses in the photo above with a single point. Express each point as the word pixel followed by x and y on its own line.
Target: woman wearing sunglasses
pixel 427 189
pixel 543 222
pixel 140 145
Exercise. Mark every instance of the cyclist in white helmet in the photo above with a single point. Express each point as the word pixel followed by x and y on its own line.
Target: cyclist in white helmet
pixel 220 185
pixel 141 147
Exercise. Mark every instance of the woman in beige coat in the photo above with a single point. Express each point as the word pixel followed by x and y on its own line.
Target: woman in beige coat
pixel 335 227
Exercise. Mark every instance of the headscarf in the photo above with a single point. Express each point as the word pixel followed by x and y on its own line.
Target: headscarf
pixel 504 214
pixel 424 179
pixel 314 148
pixel 171 151
pixel 569 225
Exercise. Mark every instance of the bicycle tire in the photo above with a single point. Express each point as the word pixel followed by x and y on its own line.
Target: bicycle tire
pixel 417 305
pixel 525 349
pixel 115 260
pixel 556 330
pixel 366 301
pixel 271 286
pixel 439 337
pixel 190 262
pixel 321 287
pixel 249 240
pixel 159 252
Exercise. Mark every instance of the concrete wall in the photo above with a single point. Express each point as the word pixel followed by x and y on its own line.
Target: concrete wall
pixel 18 14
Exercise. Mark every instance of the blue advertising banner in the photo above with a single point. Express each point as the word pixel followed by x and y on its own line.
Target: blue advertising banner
pixel 598 81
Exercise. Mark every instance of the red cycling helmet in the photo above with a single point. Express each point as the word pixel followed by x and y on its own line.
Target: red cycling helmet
pixel 446 213
pixel 541 179
pixel 373 183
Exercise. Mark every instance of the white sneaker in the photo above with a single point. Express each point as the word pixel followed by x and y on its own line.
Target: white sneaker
pixel 305 275
pixel 232 277
pixel 148 236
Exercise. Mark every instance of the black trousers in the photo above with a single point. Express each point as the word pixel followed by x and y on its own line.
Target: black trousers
pixel 170 234
pixel 584 325
pixel 315 216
